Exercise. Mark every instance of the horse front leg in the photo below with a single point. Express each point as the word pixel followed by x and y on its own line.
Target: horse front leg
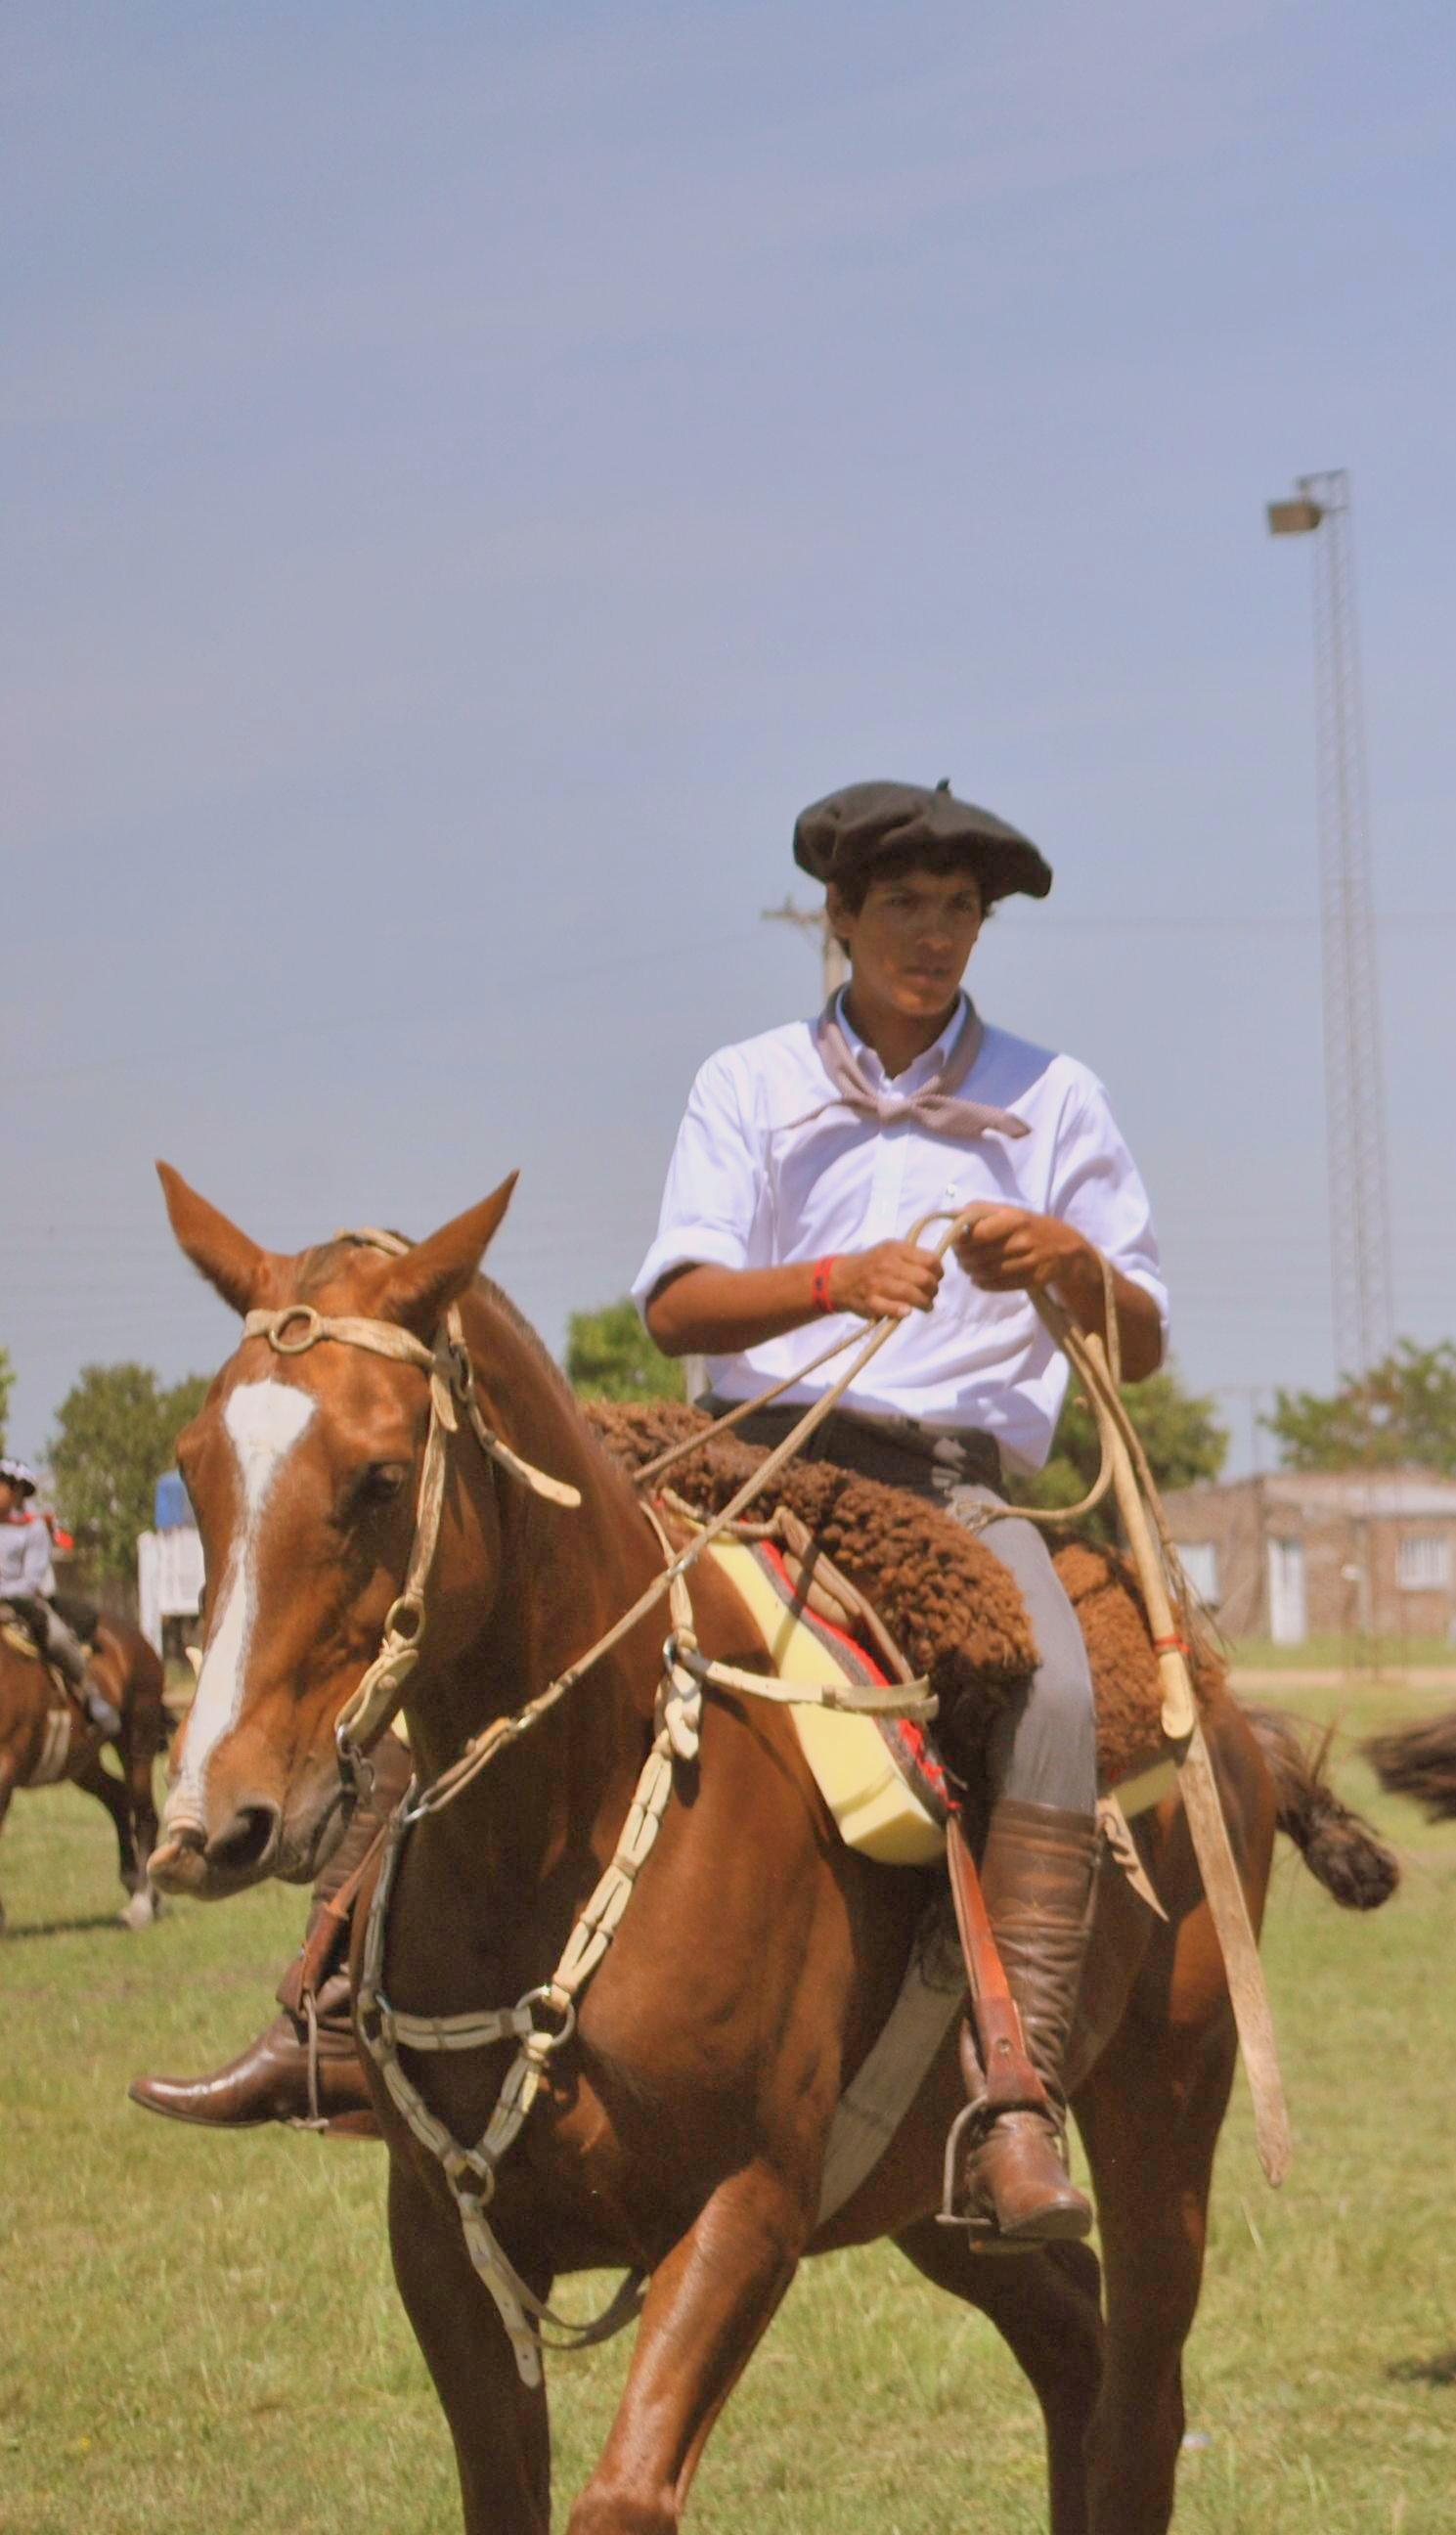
pixel 705 2311
pixel 1150 2116
pixel 116 1797
pixel 499 2426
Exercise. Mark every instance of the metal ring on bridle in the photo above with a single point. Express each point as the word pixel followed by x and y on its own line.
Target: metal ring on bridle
pixel 557 2002
pixel 312 1329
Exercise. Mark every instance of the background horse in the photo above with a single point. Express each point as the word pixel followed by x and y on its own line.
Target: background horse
pixel 45 1737
pixel 683 2130
pixel 1419 1762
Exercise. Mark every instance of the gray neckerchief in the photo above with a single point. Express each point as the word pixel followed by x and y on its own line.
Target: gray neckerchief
pixel 931 1107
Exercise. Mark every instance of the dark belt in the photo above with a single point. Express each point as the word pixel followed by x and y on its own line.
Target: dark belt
pixel 899 1452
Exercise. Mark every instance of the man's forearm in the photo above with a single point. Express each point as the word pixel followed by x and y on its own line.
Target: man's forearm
pixel 721 1311
pixel 1080 1287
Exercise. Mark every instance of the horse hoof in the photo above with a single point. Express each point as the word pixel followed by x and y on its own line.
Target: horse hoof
pixel 143 1908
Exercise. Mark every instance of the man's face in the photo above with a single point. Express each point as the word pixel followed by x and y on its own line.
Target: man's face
pixel 909 944
pixel 8 1498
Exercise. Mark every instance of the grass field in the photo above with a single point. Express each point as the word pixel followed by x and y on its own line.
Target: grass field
pixel 1357 1658
pixel 200 2335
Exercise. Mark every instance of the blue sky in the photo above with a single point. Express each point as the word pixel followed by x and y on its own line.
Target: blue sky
pixel 470 474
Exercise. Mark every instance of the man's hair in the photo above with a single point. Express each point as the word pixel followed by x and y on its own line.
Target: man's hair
pixel 940 860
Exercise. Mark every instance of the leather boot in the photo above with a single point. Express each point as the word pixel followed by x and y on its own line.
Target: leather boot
pixel 1013 2190
pixel 304 2067
pixel 287 2074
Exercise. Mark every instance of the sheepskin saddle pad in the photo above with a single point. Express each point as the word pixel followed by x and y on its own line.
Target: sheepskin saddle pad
pixel 944 1599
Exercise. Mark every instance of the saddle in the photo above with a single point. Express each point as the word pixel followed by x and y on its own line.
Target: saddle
pixel 17 1631
pixel 915 1592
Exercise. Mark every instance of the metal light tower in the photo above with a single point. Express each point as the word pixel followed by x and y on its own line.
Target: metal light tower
pixel 1354 1097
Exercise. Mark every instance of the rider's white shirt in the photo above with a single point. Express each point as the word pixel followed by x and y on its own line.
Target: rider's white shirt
pixel 26 1564
pixel 742 1192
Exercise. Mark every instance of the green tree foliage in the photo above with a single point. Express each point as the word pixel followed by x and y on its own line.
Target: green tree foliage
pixel 609 1356
pixel 1181 1435
pixel 7 1379
pixel 116 1433
pixel 1402 1412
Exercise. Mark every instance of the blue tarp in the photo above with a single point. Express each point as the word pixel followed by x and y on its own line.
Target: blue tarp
pixel 174 1510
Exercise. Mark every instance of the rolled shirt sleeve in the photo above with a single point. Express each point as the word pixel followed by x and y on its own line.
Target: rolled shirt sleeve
pixel 714 1185
pixel 1099 1190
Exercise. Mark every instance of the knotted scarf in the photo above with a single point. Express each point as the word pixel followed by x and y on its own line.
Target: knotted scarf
pixel 931 1107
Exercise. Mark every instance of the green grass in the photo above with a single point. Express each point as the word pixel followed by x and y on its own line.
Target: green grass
pixel 201 2335
pixel 1340 1656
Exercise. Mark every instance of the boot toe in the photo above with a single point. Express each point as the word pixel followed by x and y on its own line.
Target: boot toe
pixel 179 2099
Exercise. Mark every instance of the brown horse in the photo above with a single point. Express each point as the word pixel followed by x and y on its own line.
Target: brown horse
pixel 45 1738
pixel 683 2130
pixel 1419 1762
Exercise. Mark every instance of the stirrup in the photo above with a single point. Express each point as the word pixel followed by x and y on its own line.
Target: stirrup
pixel 979 2230
pixel 314 2118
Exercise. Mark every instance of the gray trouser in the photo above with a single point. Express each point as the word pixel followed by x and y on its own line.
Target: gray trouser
pixel 60 1641
pixel 1043 1748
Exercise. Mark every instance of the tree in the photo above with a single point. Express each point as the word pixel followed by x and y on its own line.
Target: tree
pixel 116 1433
pixel 7 1380
pixel 1180 1434
pixel 609 1356
pixel 1402 1412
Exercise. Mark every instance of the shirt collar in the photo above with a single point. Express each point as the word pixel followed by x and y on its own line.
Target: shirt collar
pixel 924 1066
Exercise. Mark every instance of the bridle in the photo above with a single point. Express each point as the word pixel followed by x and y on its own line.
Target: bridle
pixel 296 1327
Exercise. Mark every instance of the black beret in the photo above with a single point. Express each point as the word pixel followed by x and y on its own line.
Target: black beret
pixel 839 836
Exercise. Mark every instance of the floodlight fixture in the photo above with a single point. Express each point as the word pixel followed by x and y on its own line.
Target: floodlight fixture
pixel 1293 518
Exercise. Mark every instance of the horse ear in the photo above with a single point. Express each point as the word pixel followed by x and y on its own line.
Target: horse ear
pixel 428 1279
pixel 217 1250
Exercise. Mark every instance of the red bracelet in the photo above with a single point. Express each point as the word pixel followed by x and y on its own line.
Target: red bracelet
pixel 820 1288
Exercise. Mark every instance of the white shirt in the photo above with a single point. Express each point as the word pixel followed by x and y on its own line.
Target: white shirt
pixel 25 1555
pixel 743 1193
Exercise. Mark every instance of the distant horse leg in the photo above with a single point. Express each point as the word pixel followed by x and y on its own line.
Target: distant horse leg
pixel 138 1761
pixel 7 1790
pixel 1045 2305
pixel 500 2428
pixel 1150 2116
pixel 706 2310
pixel 115 1795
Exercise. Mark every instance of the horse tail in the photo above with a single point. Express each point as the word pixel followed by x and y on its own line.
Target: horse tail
pixel 1419 1762
pixel 1339 1847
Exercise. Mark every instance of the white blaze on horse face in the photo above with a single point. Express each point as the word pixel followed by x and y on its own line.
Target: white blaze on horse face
pixel 264 1420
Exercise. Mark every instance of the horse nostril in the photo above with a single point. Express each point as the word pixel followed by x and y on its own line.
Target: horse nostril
pixel 247 1839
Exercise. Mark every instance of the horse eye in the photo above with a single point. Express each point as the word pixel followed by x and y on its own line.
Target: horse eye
pixel 382 1481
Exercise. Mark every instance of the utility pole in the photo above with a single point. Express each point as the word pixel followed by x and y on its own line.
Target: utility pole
pixel 1355 1098
pixel 813 919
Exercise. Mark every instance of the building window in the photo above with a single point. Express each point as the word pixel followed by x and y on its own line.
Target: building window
pixel 1199 1560
pixel 1423 1562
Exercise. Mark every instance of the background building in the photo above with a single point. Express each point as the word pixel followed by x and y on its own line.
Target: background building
pixel 1297 1553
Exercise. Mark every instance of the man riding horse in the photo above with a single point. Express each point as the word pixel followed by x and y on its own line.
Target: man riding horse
pixel 803 1156
pixel 28 1582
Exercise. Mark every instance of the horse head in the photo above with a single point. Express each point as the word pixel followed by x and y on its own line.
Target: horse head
pixel 303 1467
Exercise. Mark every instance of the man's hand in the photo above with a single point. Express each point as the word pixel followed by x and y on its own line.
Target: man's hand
pixel 1010 1250
pixel 887 1283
